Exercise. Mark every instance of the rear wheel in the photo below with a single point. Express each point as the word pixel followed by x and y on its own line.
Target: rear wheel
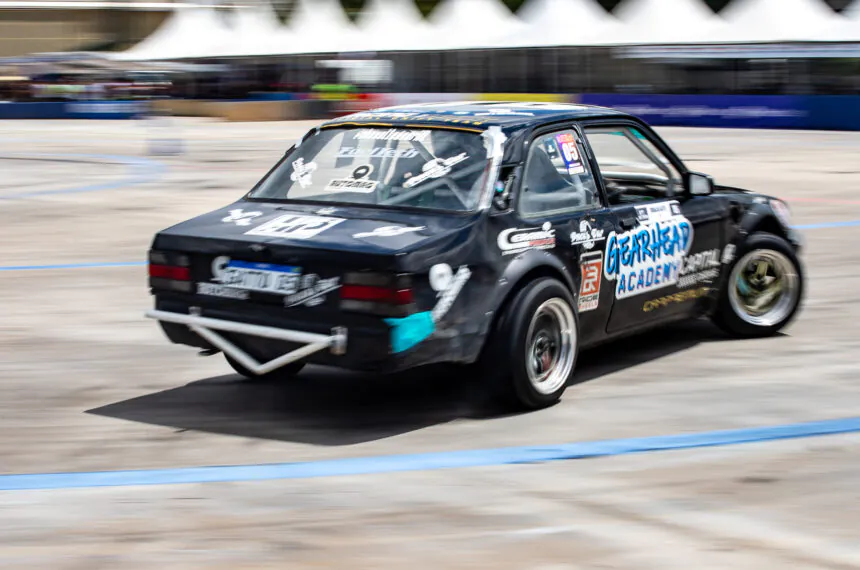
pixel 763 290
pixel 282 373
pixel 533 349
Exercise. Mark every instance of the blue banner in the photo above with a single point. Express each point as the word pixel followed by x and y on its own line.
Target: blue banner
pixel 75 110
pixel 740 111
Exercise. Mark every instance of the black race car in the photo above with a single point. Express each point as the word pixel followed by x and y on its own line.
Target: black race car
pixel 504 236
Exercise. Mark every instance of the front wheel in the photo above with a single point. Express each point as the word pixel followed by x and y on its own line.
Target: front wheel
pixel 282 373
pixel 533 349
pixel 763 290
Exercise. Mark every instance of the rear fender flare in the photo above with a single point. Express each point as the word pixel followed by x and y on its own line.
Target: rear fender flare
pixel 522 270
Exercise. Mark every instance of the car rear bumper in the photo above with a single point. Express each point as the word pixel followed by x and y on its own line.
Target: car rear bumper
pixel 263 343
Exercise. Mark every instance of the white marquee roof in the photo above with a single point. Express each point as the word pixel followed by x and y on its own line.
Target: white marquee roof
pixel 566 22
pixel 321 26
pixel 781 20
pixel 393 25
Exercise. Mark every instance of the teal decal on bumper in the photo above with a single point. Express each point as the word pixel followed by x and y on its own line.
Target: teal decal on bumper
pixel 411 330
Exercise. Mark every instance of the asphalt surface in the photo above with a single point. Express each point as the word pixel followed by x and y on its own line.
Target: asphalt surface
pixel 88 384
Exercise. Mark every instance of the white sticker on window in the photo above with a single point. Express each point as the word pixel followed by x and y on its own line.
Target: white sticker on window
pixel 436 168
pixel 302 172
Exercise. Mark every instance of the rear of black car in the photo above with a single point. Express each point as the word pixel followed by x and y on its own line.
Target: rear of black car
pixel 285 288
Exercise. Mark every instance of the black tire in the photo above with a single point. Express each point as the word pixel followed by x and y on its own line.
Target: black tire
pixel 283 373
pixel 730 316
pixel 504 362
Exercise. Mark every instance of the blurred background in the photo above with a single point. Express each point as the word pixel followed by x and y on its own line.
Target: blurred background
pixel 768 63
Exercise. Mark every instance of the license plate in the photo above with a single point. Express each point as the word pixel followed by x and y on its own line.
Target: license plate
pixel 260 277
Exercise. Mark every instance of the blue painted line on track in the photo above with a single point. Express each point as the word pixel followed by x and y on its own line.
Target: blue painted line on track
pixel 426 461
pixel 71 266
pixel 139 171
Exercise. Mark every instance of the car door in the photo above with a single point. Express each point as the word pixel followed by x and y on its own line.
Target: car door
pixel 559 191
pixel 665 252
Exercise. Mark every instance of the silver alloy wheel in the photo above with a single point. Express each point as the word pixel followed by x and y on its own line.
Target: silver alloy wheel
pixel 550 345
pixel 764 287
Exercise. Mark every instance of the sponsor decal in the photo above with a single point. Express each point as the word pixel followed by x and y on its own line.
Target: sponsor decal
pixel 313 291
pixel 436 168
pixel 214 290
pixel 569 153
pixel 302 172
pixel 357 183
pixel 518 240
pixel 385 115
pixel 702 267
pixel 647 257
pixel 440 276
pixel 252 276
pixel 409 331
pixel 295 226
pixel 388 231
pixel 681 297
pixel 241 217
pixel 449 294
pixel 729 254
pixel 496 113
pixel 657 212
pixel 379 152
pixel 586 236
pixel 591 267
pixel 392 135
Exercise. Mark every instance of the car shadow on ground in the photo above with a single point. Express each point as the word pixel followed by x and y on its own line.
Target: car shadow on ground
pixel 325 406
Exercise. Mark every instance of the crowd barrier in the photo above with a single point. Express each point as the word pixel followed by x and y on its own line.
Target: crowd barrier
pixel 819 112
pixel 75 110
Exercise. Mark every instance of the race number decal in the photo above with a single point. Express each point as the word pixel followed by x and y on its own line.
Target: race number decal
pixel 294 226
pixel 591 266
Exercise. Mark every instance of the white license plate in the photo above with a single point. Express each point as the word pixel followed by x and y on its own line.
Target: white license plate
pixel 260 277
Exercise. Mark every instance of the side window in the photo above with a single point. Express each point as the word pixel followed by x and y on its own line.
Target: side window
pixel 557 177
pixel 633 169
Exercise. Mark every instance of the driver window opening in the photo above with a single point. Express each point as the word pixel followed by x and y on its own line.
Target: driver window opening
pixel 632 167
pixel 557 177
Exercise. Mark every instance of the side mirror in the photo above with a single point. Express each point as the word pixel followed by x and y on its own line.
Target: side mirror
pixel 699 184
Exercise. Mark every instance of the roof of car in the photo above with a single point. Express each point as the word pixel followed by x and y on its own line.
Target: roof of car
pixel 474 115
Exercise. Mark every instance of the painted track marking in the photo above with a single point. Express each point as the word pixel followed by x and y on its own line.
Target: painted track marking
pixel 138 171
pixel 425 461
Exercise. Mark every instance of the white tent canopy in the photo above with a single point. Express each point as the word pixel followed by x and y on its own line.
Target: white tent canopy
pixel 255 31
pixel 321 26
pixel 186 33
pixel 780 20
pixel 473 24
pixel 568 22
pixel 393 25
pixel 669 22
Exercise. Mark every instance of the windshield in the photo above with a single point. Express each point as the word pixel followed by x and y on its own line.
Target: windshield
pixel 420 168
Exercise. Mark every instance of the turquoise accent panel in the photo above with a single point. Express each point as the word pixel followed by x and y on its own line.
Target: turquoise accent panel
pixel 411 330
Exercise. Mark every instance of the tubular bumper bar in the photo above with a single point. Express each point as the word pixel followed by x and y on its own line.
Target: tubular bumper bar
pixel 203 326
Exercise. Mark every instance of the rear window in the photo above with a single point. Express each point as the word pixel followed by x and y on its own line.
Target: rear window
pixel 421 168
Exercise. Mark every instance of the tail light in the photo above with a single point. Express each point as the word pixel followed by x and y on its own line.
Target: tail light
pixel 168 270
pixel 377 294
